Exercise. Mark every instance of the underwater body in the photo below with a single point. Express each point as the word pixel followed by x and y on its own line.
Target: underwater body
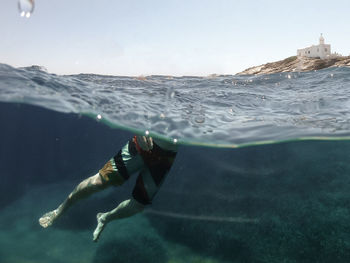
pixel 262 173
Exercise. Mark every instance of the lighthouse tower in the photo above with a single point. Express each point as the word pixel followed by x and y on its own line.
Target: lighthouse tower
pixel 321 50
pixel 321 40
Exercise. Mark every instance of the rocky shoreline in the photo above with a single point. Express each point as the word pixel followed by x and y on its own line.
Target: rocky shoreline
pixel 297 64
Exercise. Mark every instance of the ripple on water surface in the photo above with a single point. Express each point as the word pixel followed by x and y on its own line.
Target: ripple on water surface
pixel 221 110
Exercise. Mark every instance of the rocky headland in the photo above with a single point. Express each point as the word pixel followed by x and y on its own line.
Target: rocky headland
pixel 297 64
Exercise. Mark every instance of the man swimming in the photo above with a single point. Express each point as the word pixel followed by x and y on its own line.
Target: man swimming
pixel 151 158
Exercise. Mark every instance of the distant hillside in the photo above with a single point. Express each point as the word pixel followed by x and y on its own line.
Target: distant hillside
pixel 294 63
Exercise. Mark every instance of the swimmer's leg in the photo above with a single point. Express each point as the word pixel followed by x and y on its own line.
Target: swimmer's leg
pixel 126 208
pixel 115 172
pixel 142 195
pixel 87 187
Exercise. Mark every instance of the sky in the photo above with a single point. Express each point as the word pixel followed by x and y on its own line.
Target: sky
pixel 167 37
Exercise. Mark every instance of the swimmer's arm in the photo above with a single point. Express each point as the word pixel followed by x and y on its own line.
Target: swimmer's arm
pixel 146 143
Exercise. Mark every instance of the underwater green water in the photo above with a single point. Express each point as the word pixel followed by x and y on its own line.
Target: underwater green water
pixel 284 202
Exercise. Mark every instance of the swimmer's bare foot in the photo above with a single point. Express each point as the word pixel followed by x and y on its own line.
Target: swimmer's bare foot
pixel 48 218
pixel 101 222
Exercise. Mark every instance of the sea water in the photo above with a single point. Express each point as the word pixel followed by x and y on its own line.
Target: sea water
pixel 262 172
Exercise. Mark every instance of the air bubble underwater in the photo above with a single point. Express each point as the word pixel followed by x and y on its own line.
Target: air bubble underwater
pixel 26 7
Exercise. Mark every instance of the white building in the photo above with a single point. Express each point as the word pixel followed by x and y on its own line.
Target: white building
pixel 322 50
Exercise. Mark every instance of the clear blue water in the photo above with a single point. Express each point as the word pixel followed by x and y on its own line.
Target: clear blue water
pixel 285 202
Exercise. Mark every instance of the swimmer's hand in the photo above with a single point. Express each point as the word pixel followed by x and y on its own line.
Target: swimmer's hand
pixel 101 222
pixel 146 143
